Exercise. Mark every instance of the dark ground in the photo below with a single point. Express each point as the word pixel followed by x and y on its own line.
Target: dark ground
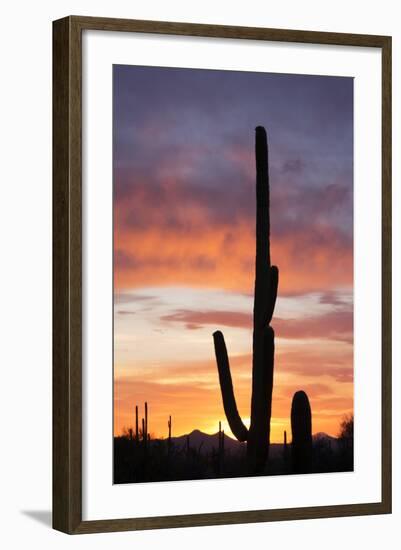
pixel 197 457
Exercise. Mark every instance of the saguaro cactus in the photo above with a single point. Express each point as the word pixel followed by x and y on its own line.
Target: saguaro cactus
pixel 136 425
pixel 266 283
pixel 285 447
pixel 301 426
pixel 146 421
pixel 144 438
pixel 169 428
pixel 221 449
pixel 169 424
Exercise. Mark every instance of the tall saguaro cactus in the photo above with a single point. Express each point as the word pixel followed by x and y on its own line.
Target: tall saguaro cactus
pixel 301 426
pixel 266 283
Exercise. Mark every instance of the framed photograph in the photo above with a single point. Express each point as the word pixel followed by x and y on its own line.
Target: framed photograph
pixel 221 274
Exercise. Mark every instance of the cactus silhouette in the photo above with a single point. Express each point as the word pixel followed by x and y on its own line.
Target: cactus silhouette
pixel 146 433
pixel 136 425
pixel 221 450
pixel 285 448
pixel 265 294
pixel 169 424
pixel 169 428
pixel 144 424
pixel 301 426
pixel 144 438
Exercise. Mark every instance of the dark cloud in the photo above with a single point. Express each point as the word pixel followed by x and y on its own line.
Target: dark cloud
pixel 184 137
pixel 127 261
pixel 320 214
pixel 127 298
pixel 292 166
pixel 169 106
pixel 123 260
pixel 197 319
pixel 334 298
pixel 336 325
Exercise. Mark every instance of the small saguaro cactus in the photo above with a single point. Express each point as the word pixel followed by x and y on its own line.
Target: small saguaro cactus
pixel 169 445
pixel 136 425
pixel 285 447
pixel 169 424
pixel 301 426
pixel 221 449
pixel 144 438
pixel 169 429
pixel 221 437
pixel 146 421
pixel 265 294
pixel 286 455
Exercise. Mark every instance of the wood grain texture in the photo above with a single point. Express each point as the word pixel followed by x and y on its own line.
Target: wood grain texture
pixel 229 518
pixel 67 277
pixel 67 273
pixel 386 275
pixel 225 31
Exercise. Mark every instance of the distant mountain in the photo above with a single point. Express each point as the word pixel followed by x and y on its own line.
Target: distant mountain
pixel 323 435
pixel 207 442
pixel 325 439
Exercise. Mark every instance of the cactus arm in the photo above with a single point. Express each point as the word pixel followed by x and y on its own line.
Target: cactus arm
pixel 272 294
pixel 230 407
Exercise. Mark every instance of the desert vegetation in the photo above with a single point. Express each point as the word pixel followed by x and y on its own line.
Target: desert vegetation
pixel 198 455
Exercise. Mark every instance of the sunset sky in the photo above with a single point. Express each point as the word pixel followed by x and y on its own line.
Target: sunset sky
pixel 184 242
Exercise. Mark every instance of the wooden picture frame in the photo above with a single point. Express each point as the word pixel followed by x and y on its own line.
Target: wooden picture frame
pixel 67 274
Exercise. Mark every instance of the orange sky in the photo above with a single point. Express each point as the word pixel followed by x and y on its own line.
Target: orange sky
pixel 313 325
pixel 189 390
